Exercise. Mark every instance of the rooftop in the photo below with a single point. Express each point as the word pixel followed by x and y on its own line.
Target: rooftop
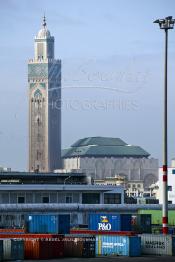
pixel 103 147
pixel 99 141
pixel 28 178
pixel 62 187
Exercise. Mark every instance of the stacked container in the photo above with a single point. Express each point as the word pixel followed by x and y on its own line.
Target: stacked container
pixel 157 216
pixel 12 231
pixel 44 248
pixel 107 245
pixel 157 244
pixel 110 222
pixel 13 249
pixel 1 250
pixel 64 224
pixel 48 224
pixel 125 222
pixel 79 246
pixel 141 223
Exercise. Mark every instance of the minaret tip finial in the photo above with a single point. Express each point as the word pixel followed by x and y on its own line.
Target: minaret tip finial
pixel 44 21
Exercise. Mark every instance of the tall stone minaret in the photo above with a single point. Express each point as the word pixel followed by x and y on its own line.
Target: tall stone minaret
pixel 44 78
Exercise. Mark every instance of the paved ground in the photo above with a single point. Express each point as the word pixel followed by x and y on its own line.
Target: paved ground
pixel 112 259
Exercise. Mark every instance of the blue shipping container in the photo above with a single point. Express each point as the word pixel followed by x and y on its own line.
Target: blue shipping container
pixel 51 224
pixel 109 222
pixel 104 222
pixel 64 224
pixel 126 220
pixel 107 245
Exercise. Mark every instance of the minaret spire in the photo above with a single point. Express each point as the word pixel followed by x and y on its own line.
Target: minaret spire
pixel 44 21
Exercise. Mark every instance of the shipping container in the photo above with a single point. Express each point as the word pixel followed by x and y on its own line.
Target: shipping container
pixel 141 223
pixel 157 244
pixel 96 232
pixel 13 249
pixel 171 231
pixel 31 249
pixel 44 248
pixel 64 224
pixel 156 216
pixel 1 250
pixel 12 230
pixel 104 222
pixel 51 249
pixel 108 245
pixel 125 222
pixel 27 236
pixel 79 246
pixel 53 224
pixel 110 222
pixel 156 229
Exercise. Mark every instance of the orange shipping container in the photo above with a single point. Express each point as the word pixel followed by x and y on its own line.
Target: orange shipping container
pixel 12 230
pixel 27 236
pixel 43 248
pixel 31 249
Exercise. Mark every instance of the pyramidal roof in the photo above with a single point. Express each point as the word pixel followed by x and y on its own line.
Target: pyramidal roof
pixel 103 147
pixel 99 141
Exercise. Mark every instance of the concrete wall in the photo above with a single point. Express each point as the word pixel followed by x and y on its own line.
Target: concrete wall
pixel 99 168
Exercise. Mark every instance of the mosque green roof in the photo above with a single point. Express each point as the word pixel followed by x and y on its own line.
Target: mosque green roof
pixel 103 147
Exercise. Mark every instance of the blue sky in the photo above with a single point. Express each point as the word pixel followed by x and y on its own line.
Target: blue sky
pixel 112 56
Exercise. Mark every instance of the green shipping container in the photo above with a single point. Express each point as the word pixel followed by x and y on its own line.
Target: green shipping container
pixel 13 249
pixel 1 250
pixel 157 216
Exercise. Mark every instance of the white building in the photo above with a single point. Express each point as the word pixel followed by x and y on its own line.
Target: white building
pixel 101 157
pixel 5 169
pixel 132 188
pixel 171 184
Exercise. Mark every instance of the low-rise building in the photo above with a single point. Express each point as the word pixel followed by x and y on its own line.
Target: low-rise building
pixel 5 169
pixel 22 193
pixel 135 188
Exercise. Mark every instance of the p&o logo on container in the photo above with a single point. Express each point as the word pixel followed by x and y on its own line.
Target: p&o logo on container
pixel 104 224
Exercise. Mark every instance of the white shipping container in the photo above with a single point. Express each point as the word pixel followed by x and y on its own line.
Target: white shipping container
pixel 7 249
pixel 157 244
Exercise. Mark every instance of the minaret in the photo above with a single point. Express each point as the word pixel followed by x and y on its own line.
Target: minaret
pixel 44 78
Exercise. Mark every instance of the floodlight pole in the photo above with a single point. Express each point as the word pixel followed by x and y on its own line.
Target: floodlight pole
pixel 167 23
pixel 165 145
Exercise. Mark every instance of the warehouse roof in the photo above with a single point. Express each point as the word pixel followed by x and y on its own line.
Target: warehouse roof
pixel 62 187
pixel 103 147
